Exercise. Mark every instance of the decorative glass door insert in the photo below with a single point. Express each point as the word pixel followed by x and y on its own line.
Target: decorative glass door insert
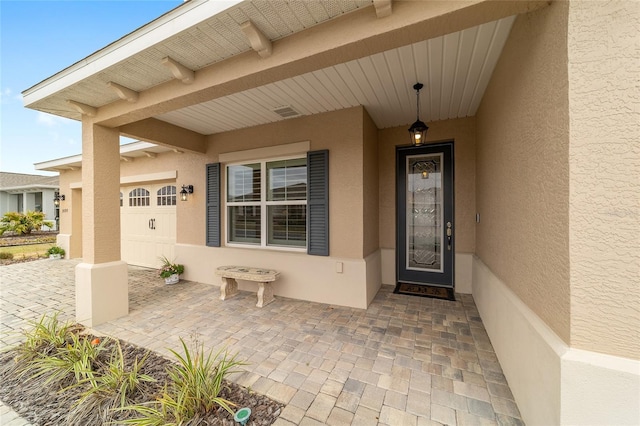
pixel 424 212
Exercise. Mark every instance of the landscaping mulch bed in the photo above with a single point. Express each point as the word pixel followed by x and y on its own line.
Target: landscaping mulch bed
pixel 19 260
pixel 44 404
pixel 36 237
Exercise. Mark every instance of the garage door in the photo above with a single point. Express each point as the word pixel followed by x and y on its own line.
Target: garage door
pixel 148 224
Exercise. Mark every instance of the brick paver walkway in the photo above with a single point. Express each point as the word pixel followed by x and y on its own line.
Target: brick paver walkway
pixel 403 361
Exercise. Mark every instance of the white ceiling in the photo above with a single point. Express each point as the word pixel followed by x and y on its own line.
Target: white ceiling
pixel 195 45
pixel 455 69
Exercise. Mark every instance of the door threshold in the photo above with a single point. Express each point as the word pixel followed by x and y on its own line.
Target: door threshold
pixel 425 290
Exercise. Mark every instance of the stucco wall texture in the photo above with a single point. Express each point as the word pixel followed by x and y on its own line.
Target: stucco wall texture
pixel 604 161
pixel 341 132
pixel 100 203
pixel 523 167
pixel 370 190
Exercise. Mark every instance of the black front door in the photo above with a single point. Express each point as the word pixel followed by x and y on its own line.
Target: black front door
pixel 425 229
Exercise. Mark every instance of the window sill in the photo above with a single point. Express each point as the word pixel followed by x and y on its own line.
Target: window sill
pixel 267 248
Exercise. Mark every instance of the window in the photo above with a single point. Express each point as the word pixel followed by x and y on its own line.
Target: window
pixel 38 201
pixel 167 196
pixel 317 203
pixel 267 203
pixel 139 197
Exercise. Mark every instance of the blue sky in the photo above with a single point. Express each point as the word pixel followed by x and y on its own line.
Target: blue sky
pixel 40 38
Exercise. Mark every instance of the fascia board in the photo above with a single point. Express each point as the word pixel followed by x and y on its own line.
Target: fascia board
pixel 181 18
pixel 58 162
pixel 28 187
pixel 136 146
pixel 66 161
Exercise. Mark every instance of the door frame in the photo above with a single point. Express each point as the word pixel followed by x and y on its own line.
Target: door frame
pixel 447 277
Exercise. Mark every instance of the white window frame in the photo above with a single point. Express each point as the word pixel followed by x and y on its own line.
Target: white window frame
pixel 139 197
pixel 263 203
pixel 170 197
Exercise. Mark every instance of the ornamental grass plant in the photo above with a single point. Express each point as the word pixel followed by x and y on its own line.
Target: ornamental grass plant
pixel 193 389
pixel 76 378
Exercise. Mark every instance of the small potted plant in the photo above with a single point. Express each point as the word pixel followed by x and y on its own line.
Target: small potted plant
pixel 55 252
pixel 170 271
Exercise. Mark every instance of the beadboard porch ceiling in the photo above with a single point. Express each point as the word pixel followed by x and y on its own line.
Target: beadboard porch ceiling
pixel 455 69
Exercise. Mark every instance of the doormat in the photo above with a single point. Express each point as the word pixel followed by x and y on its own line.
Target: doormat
pixel 425 291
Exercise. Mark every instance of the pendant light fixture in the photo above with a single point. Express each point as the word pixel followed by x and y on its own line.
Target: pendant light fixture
pixel 418 130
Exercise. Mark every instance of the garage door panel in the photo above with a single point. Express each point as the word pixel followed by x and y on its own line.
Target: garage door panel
pixel 148 231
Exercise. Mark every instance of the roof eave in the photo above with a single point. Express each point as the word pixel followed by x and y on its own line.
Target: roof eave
pixel 29 187
pixel 181 18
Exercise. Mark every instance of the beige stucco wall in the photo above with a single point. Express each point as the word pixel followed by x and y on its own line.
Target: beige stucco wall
pixel 370 182
pixel 604 178
pixel 522 167
pixel 190 170
pixel 67 177
pixel 341 132
pixel 462 132
pixel 100 196
pixel 70 214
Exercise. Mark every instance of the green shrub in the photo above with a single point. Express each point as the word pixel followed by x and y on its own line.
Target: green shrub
pixel 55 250
pixel 6 255
pixel 23 223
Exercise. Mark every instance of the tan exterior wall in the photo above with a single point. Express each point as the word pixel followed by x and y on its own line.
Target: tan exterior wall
pixel 604 161
pixel 341 133
pixel 370 181
pixel 523 173
pixel 100 200
pixel 70 214
pixel 75 216
pixel 462 132
pixel 190 170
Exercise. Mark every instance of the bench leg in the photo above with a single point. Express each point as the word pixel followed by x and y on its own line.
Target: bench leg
pixel 229 288
pixel 265 294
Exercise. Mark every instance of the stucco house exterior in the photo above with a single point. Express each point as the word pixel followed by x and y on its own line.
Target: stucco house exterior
pixel 21 192
pixel 289 120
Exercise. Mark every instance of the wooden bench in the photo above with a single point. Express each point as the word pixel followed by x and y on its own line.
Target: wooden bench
pixel 264 278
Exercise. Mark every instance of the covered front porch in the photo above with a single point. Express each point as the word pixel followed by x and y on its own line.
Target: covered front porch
pixel 513 84
pixel 404 361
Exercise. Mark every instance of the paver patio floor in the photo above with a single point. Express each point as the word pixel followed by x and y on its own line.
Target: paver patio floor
pixel 403 361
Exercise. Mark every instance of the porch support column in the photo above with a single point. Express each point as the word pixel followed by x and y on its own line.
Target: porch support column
pixel 102 292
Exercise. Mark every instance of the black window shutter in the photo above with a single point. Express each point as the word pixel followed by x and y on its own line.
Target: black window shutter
pixel 213 205
pixel 318 202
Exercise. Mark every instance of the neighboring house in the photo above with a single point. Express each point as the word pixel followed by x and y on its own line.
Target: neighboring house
pixel 525 193
pixel 22 192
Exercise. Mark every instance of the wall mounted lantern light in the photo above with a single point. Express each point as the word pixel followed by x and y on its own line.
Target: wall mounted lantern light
pixel 57 198
pixel 418 130
pixel 186 189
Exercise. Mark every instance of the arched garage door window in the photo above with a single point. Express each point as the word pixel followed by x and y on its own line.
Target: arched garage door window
pixel 139 197
pixel 167 196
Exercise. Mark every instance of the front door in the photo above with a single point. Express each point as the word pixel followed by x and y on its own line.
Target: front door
pixel 425 227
